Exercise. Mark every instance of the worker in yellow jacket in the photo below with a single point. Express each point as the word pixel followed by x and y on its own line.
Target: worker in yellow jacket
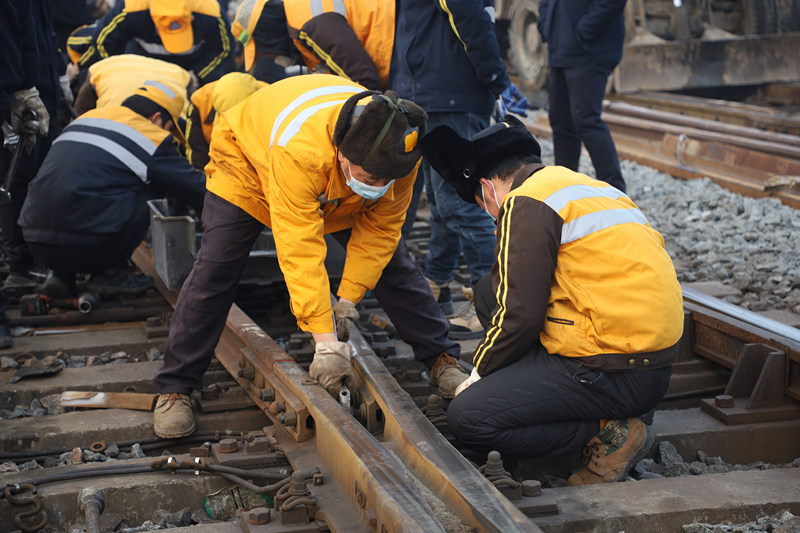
pixel 308 156
pixel 583 310
pixel 207 103
pixel 348 38
pixel 113 79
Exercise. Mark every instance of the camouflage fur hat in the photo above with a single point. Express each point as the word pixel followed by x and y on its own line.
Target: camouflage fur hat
pixel 381 136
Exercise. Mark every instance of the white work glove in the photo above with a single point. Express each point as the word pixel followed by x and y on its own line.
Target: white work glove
pixel 25 100
pixel 473 377
pixel 66 90
pixel 331 367
pixel 343 313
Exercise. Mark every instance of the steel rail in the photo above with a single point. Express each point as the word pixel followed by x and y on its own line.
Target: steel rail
pixel 378 488
pixel 427 453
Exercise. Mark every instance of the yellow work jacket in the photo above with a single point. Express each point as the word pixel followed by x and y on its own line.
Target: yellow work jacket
pixel 372 23
pixel 273 156
pixel 117 77
pixel 580 270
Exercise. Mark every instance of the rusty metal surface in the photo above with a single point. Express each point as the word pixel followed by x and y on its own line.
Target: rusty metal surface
pixel 430 456
pixel 692 64
pixel 720 111
pixel 369 478
pixel 721 330
pixel 689 153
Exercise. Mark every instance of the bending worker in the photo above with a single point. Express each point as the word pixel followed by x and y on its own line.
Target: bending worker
pixel 306 156
pixel 583 310
pixel 206 104
pixel 189 33
pixel 86 210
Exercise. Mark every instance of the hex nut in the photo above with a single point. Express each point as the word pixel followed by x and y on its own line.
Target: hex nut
pixel 258 516
pixel 228 446
pixel 531 487
pixel 723 400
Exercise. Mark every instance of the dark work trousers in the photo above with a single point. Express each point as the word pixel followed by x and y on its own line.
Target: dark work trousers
pixel 210 289
pixel 100 251
pixel 17 251
pixel 576 101
pixel 547 404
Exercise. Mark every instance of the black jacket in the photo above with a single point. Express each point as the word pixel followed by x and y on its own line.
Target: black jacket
pixel 97 170
pixel 446 57
pixel 583 33
pixel 30 55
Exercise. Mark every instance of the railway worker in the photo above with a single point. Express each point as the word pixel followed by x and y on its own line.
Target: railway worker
pixel 447 59
pixel 584 43
pixel 583 310
pixel 307 156
pixel 269 54
pixel 113 79
pixel 208 102
pixel 190 33
pixel 86 210
pixel 351 39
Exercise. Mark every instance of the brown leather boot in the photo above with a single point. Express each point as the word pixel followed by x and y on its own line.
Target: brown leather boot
pixel 172 417
pixel 447 374
pixel 611 453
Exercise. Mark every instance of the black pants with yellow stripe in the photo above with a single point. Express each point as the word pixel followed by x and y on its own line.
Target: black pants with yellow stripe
pixel 545 404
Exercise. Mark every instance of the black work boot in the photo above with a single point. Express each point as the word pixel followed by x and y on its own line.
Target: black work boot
pixel 113 281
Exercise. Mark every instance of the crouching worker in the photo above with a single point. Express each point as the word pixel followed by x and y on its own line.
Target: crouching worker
pixel 307 156
pixel 582 309
pixel 86 209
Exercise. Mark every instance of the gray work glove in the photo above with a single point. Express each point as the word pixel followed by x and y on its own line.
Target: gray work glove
pixel 66 90
pixel 331 366
pixel 344 312
pixel 24 100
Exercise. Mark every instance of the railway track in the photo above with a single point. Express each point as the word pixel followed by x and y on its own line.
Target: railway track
pixel 383 461
pixel 744 149
pixel 273 452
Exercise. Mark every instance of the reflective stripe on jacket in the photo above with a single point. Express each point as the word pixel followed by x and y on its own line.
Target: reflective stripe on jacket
pixel 355 50
pixel 273 156
pixel 116 78
pixel 130 22
pixel 96 174
pixel 580 269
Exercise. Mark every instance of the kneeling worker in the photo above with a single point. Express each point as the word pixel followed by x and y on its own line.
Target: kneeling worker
pixel 86 209
pixel 583 311
pixel 307 156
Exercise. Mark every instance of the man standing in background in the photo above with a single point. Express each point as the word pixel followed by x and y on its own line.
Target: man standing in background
pixel 584 43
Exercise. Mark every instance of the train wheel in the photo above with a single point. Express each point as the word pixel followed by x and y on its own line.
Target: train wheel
pixel 527 52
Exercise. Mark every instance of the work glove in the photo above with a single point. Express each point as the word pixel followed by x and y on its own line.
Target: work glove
pixel 514 101
pixel 66 90
pixel 343 313
pixel 331 367
pixel 29 116
pixel 473 377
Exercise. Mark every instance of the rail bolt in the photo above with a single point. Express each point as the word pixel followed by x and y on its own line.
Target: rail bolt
pixel 723 400
pixel 267 395
pixel 247 373
pixel 531 487
pixel 228 446
pixel 289 419
pixel 258 516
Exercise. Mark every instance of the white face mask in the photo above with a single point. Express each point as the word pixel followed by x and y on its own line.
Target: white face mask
pixel 483 197
pixel 368 192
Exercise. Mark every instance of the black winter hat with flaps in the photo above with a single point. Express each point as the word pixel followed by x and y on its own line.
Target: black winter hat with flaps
pixel 383 136
pixel 462 163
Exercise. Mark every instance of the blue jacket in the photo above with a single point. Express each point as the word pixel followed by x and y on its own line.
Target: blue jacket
pixel 446 57
pixel 583 33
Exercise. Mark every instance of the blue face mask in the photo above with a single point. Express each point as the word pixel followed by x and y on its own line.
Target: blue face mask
pixel 368 192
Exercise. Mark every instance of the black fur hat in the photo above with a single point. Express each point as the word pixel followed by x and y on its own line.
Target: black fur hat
pixel 462 163
pixel 382 136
